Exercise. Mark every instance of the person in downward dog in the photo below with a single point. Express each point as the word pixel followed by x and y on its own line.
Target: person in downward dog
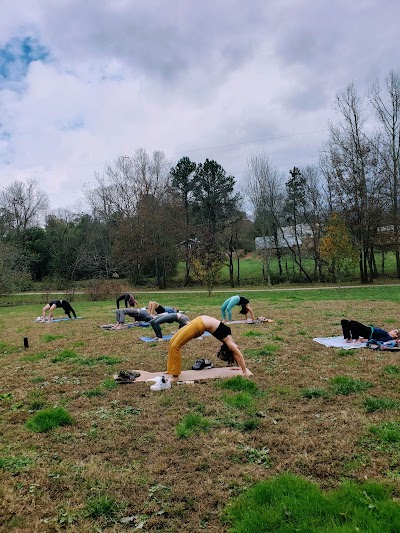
pixel 229 304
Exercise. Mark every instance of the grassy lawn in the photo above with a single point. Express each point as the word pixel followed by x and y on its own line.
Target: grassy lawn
pixel 80 453
pixel 251 270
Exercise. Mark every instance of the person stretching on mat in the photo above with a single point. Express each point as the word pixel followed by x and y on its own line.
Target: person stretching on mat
pixel 354 331
pixel 196 328
pixel 154 308
pixel 227 306
pixel 140 315
pixel 129 300
pixel 168 318
pixel 57 303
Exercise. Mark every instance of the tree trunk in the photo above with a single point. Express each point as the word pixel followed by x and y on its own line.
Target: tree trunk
pixel 230 254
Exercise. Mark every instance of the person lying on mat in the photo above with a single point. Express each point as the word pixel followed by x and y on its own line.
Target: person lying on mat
pixel 227 306
pixel 129 300
pixel 140 315
pixel 196 328
pixel 55 304
pixel 355 331
pixel 168 318
pixel 154 308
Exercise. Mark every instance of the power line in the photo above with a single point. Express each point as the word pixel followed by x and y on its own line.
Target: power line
pixel 252 142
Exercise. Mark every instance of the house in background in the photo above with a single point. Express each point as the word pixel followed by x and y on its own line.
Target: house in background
pixel 286 238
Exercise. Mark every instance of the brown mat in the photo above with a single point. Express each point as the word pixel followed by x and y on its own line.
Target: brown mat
pixel 196 375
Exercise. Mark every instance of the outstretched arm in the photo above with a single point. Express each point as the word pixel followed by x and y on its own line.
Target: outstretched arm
pixel 237 353
pixel 250 310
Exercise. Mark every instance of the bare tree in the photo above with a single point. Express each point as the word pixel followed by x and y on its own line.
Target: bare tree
pixel 125 181
pixel 126 199
pixel 264 189
pixel 315 212
pixel 352 168
pixel 22 204
pixel 387 107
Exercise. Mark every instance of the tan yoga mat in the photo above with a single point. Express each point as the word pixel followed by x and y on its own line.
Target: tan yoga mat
pixel 195 375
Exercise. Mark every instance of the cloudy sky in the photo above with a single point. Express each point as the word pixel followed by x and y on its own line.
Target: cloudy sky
pixel 82 82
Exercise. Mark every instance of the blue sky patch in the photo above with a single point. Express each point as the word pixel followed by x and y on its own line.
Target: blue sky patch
pixel 71 125
pixel 16 56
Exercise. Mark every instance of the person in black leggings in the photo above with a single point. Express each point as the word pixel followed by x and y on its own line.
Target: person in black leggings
pixel 353 331
pixel 140 315
pixel 54 305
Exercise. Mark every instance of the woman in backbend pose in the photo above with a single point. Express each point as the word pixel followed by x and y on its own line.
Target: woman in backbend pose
pixel 140 315
pixel 154 308
pixel 196 328
pixel 55 304
pixel 168 318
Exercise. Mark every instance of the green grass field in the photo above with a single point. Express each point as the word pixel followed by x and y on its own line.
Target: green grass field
pixel 251 273
pixel 311 442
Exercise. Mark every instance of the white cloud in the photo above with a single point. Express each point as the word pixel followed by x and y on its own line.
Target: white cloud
pixel 203 80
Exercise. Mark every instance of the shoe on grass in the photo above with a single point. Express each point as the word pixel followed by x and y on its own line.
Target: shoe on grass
pixel 127 376
pixel 202 363
pixel 162 383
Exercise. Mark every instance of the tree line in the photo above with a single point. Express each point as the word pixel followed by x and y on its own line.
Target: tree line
pixel 146 214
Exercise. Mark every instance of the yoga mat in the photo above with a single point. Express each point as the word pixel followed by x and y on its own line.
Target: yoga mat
pixel 194 375
pixel 267 320
pixel 339 342
pixel 169 337
pixel 110 327
pixel 55 320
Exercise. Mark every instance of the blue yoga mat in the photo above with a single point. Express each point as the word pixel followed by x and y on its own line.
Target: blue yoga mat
pixel 152 339
pixel 56 320
pixel 168 337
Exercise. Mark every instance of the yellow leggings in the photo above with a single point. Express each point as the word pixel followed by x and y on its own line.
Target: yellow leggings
pixel 195 328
